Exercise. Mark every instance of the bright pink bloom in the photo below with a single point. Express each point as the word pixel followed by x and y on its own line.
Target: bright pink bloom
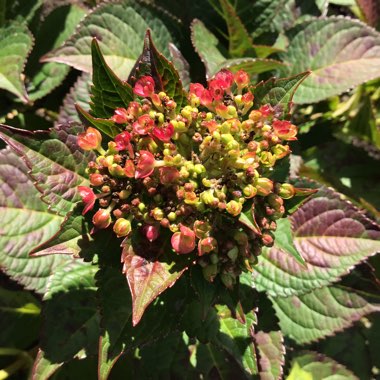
pixel 164 132
pixel 143 125
pixel 183 242
pixel 285 130
pixel 241 79
pixel 266 110
pixel 224 79
pixel 144 86
pixel 89 140
pixel 216 90
pixel 247 97
pixel 88 198
pixel 151 232
pixel 123 140
pixel 145 164
pixel 120 116
pixel 168 175
pixel 206 98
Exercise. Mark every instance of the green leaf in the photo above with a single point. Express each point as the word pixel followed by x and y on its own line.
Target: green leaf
pixel 284 240
pixel 247 217
pixel 26 222
pixel 43 368
pixel 56 28
pixel 71 315
pixel 331 235
pixel 271 352
pixel 320 313
pixel 21 10
pixel 152 62
pixel 120 30
pixel 314 366
pixel 79 94
pixel 252 66
pixel 108 91
pixel 15 45
pixel 147 279
pixel 57 163
pixel 278 92
pixel 340 52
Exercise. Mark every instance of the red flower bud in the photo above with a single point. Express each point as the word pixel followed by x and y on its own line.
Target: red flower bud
pixel 266 110
pixel 207 245
pixel 143 125
pixel 183 242
pixel 102 218
pixel 88 198
pixel 89 140
pixel 144 86
pixel 247 98
pixel 241 79
pixel 96 179
pixel 164 132
pixel 285 130
pixel 224 78
pixel 120 116
pixel 122 227
pixel 151 232
pixel 168 175
pixel 145 164
pixel 206 98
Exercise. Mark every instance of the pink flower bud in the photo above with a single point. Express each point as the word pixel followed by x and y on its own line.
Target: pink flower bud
pixel 144 86
pixel 102 218
pixel 247 98
pixel 241 79
pixel 183 242
pixel 122 227
pixel 123 140
pixel 143 125
pixel 164 132
pixel 133 109
pixel 120 116
pixel 207 245
pixel 96 179
pixel 145 164
pixel 168 175
pixel 88 198
pixel 89 140
pixel 224 78
pixel 151 232
pixel 285 130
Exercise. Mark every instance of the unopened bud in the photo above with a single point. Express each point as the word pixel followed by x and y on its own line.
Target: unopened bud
pixel 102 219
pixel 122 227
pixel 234 208
pixel 207 245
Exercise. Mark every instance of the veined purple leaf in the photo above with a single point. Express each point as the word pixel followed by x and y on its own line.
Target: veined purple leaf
pixel 271 354
pixel 371 11
pixel 57 164
pixel 25 223
pixel 320 313
pixel 331 235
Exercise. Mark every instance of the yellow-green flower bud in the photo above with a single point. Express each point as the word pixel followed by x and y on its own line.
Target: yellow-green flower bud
pixel 122 227
pixel 234 208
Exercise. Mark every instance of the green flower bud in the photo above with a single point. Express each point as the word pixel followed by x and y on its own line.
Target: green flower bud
pixel 234 208
pixel 122 227
pixel 286 191
pixel 157 214
pixel 264 186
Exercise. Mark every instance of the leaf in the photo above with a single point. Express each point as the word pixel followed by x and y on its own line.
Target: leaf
pixel 205 44
pixel 331 235
pixel 320 313
pixel 110 23
pixel 108 91
pixel 15 45
pixel 314 366
pixel 21 10
pixel 371 11
pixel 278 91
pixel 284 240
pixel 148 279
pixel 43 368
pixel 56 28
pixel 271 352
pixel 247 217
pixel 57 163
pixel 79 94
pixel 26 223
pixel 181 65
pixel 71 318
pixel 152 62
pixel 71 239
pixel 340 52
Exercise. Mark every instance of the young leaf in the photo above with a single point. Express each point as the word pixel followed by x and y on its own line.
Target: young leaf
pixel 15 45
pixel 119 20
pixel 57 163
pixel 278 92
pixel 152 62
pixel 271 353
pixel 108 91
pixel 314 366
pixel 148 279
pixel 24 212
pixel 340 52
pixel 58 25
pixel 320 313
pixel 43 368
pixel 331 235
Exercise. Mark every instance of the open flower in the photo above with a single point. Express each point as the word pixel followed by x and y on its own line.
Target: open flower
pixel 144 86
pixel 145 164
pixel 90 139
pixel 184 241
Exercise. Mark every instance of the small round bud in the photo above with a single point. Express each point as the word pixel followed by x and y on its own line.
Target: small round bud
pixel 286 191
pixel 234 208
pixel 102 219
pixel 90 140
pixel 122 227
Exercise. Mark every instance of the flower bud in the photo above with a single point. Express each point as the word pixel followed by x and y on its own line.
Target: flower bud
pixel 102 219
pixel 241 79
pixel 184 241
pixel 168 175
pixel 286 191
pixel 234 208
pixel 280 151
pixel 144 86
pixel 249 191
pixel 210 272
pixel 207 245
pixel 90 140
pixel 255 115
pixel 228 280
pixel 88 198
pixel 264 186
pixel 157 213
pixel 285 130
pixel 120 116
pixel 96 179
pixel 122 227
pixel 151 232
pixel 145 164
pixel 275 201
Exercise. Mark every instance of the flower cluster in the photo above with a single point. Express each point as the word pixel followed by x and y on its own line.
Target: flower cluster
pixel 186 173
